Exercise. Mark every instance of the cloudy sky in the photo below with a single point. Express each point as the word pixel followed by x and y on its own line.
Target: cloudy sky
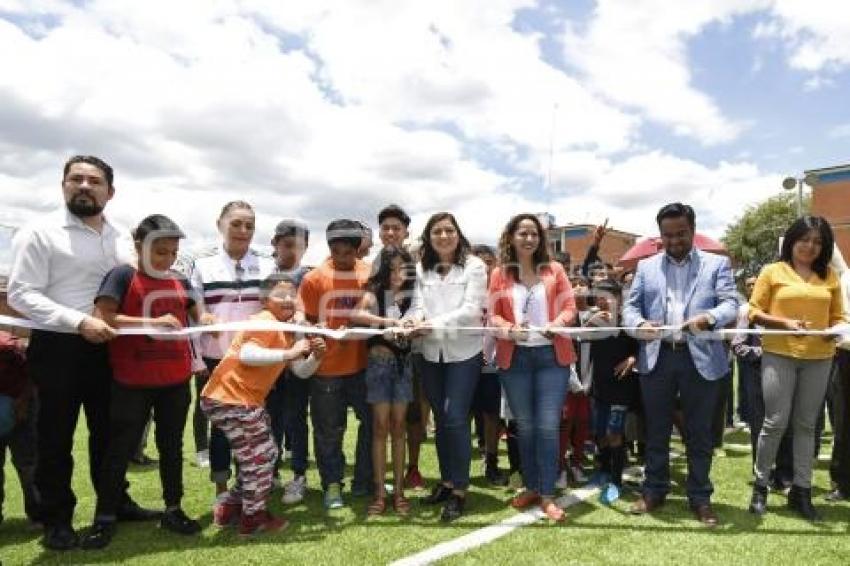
pixel 486 108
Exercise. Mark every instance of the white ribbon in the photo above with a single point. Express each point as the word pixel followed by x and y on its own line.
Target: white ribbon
pixel 839 330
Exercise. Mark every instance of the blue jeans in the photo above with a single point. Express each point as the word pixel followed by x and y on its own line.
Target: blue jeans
pixel 330 398
pixel 449 387
pixel 287 408
pixel 21 442
pixel 536 387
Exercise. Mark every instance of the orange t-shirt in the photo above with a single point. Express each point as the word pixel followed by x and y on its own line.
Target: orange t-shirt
pixel 328 296
pixel 235 383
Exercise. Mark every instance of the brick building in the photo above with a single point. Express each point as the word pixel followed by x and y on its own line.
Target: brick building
pixel 831 199
pixel 576 238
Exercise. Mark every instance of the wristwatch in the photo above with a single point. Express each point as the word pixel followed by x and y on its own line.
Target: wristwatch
pixel 712 321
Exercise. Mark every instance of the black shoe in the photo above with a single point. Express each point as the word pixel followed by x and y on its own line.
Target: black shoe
pixel 453 509
pixel 439 494
pixel 60 537
pixel 98 536
pixel 132 512
pixel 800 500
pixel 758 502
pixel 176 521
pixel 495 476
pixel 143 460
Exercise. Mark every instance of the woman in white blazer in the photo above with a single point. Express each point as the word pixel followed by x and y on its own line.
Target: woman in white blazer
pixel 450 292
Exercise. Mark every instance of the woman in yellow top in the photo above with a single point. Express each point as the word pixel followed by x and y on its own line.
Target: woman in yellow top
pixel 799 292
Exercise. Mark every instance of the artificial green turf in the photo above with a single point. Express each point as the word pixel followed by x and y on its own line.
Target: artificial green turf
pixel 595 534
pixel 592 535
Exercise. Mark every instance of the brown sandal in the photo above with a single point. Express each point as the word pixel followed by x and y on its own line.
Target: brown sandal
pixel 401 505
pixel 377 507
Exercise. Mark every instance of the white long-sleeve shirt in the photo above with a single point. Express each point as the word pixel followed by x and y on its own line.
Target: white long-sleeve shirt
pixel 458 299
pixel 253 355
pixel 58 265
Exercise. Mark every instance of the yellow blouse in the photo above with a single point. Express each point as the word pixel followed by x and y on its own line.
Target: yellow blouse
pixel 780 291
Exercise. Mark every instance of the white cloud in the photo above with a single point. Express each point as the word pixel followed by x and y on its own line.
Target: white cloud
pixel 447 61
pixel 816 35
pixel 196 103
pixel 635 53
pixel 631 192
pixel 819 31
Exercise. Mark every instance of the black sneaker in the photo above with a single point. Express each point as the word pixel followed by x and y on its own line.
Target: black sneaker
pixel 453 509
pixel 495 476
pixel 439 494
pixel 132 512
pixel 142 460
pixel 99 535
pixel 60 537
pixel 176 521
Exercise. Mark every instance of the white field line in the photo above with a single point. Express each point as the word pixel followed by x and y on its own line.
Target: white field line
pixel 489 534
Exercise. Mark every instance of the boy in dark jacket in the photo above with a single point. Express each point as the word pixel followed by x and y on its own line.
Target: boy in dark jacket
pixel 614 387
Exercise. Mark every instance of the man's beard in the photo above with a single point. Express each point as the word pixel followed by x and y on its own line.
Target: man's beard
pixel 83 208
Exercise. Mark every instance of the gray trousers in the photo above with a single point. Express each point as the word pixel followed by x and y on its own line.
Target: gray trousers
pixel 795 387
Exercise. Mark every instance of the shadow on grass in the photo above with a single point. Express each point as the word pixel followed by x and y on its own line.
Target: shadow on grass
pixel 18 531
pixel 309 523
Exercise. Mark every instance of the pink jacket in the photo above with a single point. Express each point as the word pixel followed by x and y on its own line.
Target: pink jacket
pixel 562 310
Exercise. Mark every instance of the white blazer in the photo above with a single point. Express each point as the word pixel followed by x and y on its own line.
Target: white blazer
pixel 458 299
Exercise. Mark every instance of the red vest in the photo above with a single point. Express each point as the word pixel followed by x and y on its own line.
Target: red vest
pixel 152 361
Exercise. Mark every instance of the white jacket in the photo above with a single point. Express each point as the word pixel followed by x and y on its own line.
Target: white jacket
pixel 456 300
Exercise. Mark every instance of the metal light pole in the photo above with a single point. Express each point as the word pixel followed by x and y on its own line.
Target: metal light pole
pixel 789 183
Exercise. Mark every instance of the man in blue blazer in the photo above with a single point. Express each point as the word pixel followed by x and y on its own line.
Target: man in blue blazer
pixel 695 293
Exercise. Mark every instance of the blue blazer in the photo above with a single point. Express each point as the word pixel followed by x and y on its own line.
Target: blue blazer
pixel 710 289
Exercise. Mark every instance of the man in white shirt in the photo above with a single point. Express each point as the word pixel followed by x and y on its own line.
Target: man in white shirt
pixel 58 265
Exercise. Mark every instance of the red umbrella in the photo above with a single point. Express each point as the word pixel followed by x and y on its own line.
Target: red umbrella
pixel 647 247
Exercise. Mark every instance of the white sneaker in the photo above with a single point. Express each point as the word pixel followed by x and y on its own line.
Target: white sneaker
pixel 578 475
pixel 202 458
pixel 562 480
pixel 294 491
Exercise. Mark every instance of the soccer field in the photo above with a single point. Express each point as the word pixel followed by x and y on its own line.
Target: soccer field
pixel 593 533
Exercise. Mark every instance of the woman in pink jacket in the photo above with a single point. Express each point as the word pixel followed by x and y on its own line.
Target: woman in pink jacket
pixel 530 298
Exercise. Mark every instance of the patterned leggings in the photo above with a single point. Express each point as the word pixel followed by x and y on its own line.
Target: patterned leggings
pixel 249 431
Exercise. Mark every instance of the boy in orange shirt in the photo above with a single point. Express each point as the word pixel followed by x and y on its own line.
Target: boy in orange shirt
pixel 234 400
pixel 328 295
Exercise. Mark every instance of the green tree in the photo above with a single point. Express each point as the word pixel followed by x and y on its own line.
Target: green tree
pixel 753 239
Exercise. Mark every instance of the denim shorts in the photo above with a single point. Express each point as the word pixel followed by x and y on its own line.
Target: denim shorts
pixel 610 419
pixel 389 380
